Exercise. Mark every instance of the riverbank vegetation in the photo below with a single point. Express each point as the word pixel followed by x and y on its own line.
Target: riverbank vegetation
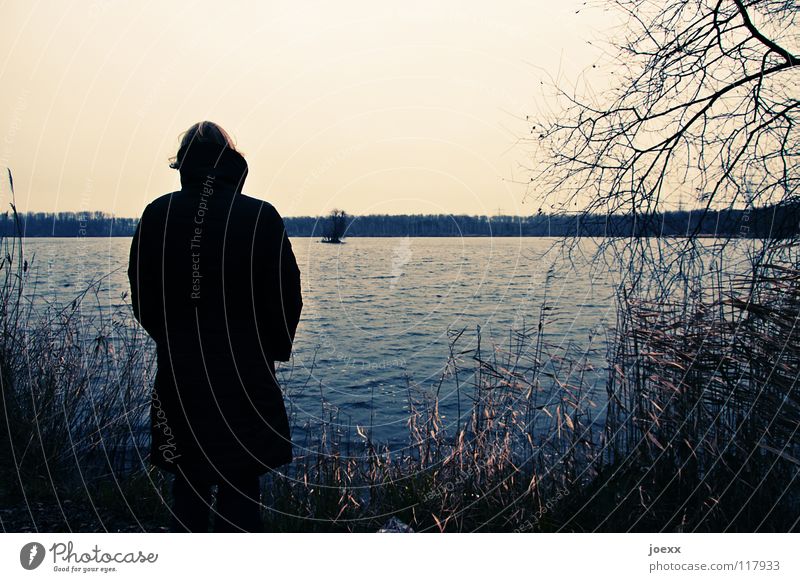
pixel 694 427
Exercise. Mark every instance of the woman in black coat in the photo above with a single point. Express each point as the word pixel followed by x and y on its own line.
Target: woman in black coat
pixel 215 283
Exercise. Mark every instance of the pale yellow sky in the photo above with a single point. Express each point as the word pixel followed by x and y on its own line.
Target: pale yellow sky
pixel 371 106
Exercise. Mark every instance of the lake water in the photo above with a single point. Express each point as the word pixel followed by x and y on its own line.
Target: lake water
pixel 378 311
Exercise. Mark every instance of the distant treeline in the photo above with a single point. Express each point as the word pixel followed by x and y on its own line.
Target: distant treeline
pixel 775 222
pixel 66 224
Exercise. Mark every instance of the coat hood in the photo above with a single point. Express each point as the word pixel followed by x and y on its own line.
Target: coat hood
pixel 200 160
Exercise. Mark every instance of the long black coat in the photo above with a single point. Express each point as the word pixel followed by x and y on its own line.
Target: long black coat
pixel 215 283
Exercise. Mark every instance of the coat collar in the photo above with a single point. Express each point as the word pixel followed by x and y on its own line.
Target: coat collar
pixel 203 160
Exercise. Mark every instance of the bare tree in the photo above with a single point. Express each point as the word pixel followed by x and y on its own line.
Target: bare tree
pixel 703 104
pixel 335 226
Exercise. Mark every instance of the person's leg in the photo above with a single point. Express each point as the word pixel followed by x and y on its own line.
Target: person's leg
pixel 238 505
pixel 191 504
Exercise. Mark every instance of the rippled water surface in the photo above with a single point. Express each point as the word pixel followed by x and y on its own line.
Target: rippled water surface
pixel 378 310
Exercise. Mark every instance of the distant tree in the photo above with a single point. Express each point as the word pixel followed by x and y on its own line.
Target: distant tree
pixel 335 226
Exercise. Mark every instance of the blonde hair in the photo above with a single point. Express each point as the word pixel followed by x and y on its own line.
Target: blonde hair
pixel 201 132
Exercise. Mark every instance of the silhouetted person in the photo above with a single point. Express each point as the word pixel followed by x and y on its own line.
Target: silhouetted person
pixel 215 283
